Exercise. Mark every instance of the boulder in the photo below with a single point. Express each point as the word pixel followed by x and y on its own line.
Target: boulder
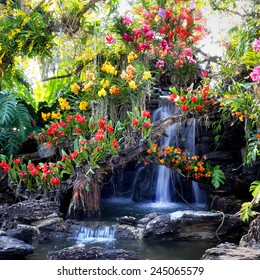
pixel 126 220
pixel 125 233
pixel 12 248
pixel 252 238
pixel 79 252
pixel 24 234
pixel 26 212
pixel 193 225
pixel 230 251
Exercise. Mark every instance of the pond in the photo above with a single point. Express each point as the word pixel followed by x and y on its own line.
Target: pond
pixel 114 208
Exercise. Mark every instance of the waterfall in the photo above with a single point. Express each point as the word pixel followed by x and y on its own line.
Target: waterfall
pixel 99 233
pixel 169 185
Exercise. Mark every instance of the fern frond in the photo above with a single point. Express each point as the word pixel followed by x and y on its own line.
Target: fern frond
pixel 7 108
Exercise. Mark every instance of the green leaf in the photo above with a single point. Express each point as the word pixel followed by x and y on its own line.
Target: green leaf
pixel 218 177
pixel 246 211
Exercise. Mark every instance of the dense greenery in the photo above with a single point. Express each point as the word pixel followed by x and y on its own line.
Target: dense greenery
pixel 97 73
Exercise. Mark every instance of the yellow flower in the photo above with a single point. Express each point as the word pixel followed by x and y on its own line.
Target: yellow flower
pixel 64 104
pixel 108 68
pixel 75 88
pixel 147 75
pixel 102 92
pixel 114 90
pixel 162 161
pixel 132 85
pixel 45 116
pixel 132 56
pixel 83 105
pixel 55 116
pixel 252 116
pixel 104 83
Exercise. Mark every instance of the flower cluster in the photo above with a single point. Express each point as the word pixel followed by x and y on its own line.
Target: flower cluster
pixel 255 74
pixel 141 122
pixel 190 166
pixel 169 34
pixel 193 100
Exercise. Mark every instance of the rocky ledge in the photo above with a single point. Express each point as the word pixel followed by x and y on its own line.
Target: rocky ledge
pixel 79 252
pixel 12 248
pixel 183 225
pixel 248 248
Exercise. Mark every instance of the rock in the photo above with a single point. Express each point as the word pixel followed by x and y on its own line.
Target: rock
pixel 3 233
pixel 12 248
pixel 146 219
pixel 124 233
pixel 26 212
pixel 126 220
pixel 230 251
pixel 24 234
pixel 252 238
pixel 79 252
pixel 229 204
pixel 219 156
pixel 193 225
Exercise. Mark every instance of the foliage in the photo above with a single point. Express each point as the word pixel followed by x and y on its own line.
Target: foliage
pixel 246 210
pixel 218 177
pixel 15 123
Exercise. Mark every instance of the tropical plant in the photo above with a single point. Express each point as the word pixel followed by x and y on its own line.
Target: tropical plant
pixel 15 123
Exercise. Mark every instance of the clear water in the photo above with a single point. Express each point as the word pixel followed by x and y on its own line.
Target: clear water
pixel 99 232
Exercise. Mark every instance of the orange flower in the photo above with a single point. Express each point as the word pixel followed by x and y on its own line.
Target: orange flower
pixel 159 154
pixel 258 136
pixel 149 151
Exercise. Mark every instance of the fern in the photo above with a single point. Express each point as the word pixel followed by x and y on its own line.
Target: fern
pixel 255 189
pixel 217 177
pixel 15 123
pixel 7 108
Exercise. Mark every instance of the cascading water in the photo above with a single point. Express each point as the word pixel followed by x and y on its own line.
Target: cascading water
pixel 169 186
pixel 100 233
pixel 163 179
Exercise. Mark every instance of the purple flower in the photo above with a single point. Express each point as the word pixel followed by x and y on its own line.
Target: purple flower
pixel 255 74
pixel 127 20
pixel 161 13
pixel 137 33
pixel 160 64
pixel 149 35
pixel 127 38
pixel 192 61
pixel 146 28
pixel 164 45
pixel 192 5
pixel 256 45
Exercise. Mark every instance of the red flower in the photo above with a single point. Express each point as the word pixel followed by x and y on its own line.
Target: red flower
pixel 79 118
pixel 183 98
pixel 135 122
pixel 204 73
pixel 17 161
pixel 5 166
pixel 31 136
pixel 78 130
pixel 173 96
pixel 109 128
pixel 146 114
pixel 199 108
pixel 55 181
pixel 109 39
pixel 99 148
pixel 114 144
pixel 62 124
pixel 194 98
pixel 69 118
pixel 146 124
pixel 99 135
pixel 185 108
pixel 101 122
